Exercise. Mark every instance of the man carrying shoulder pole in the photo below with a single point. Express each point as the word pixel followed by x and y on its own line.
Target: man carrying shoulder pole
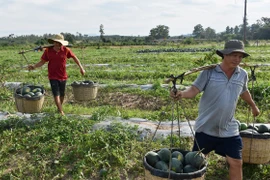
pixel 57 56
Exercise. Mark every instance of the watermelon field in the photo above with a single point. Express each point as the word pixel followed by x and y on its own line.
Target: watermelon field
pixel 66 147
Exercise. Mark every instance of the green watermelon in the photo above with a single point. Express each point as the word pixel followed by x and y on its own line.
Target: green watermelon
pixel 38 94
pixel 195 158
pixel 262 128
pixel 249 131
pixel 27 96
pixel 243 126
pixel 252 127
pixel 25 90
pixel 37 90
pixel 161 165
pixel 189 168
pixel 176 165
pixel 164 154
pixel 31 94
pixel 152 158
pixel 178 155
pixel 198 160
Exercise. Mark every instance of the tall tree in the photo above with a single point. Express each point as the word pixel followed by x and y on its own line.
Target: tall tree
pixel 236 30
pixel 198 31
pixel 266 21
pixel 101 30
pixel 160 32
pixel 69 37
pixel 11 36
pixel 209 33
pixel 254 29
pixel 231 30
pixel 228 30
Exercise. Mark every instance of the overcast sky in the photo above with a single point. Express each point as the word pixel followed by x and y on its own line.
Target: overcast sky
pixel 124 17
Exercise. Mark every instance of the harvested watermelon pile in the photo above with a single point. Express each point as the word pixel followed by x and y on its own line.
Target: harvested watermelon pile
pixel 84 90
pixel 84 83
pixel 29 91
pixel 260 129
pixel 176 161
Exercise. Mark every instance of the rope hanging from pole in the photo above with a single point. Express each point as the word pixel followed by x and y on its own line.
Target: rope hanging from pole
pixel 252 76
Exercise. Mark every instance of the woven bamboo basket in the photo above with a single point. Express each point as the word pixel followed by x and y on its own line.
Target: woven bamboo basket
pixel 29 104
pixel 156 174
pixel 256 148
pixel 84 92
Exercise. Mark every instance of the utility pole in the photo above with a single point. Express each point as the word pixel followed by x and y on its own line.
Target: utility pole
pixel 245 22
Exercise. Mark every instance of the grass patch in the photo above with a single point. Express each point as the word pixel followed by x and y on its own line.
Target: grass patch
pixel 67 148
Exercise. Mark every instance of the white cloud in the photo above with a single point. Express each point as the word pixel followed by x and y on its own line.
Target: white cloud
pixel 124 17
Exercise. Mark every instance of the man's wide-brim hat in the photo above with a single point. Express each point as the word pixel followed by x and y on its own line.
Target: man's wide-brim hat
pixel 58 38
pixel 232 46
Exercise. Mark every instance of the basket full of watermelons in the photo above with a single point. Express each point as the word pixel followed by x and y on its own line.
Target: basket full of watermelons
pixel 174 164
pixel 256 143
pixel 29 98
pixel 84 90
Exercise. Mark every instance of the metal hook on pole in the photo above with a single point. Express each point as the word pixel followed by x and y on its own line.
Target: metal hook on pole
pixel 173 79
pixel 253 77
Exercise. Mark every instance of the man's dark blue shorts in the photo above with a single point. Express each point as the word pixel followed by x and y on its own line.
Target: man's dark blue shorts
pixel 231 146
pixel 58 87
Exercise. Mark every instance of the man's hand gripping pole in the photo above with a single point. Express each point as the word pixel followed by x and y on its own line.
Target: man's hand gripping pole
pixel 173 79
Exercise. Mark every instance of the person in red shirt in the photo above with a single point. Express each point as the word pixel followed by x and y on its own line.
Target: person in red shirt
pixel 56 57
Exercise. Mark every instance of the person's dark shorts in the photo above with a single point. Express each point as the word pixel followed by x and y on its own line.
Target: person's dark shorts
pixel 58 87
pixel 231 146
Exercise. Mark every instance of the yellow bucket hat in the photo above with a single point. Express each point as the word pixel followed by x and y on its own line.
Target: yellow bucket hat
pixel 58 38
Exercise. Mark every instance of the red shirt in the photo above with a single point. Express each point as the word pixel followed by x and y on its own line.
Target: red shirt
pixel 57 62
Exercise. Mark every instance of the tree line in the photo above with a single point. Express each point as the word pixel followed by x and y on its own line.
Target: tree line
pixel 257 31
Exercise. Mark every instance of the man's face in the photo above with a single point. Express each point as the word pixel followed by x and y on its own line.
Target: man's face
pixel 233 59
pixel 57 44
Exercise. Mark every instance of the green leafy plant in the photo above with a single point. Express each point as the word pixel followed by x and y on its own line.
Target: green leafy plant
pixel 68 148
